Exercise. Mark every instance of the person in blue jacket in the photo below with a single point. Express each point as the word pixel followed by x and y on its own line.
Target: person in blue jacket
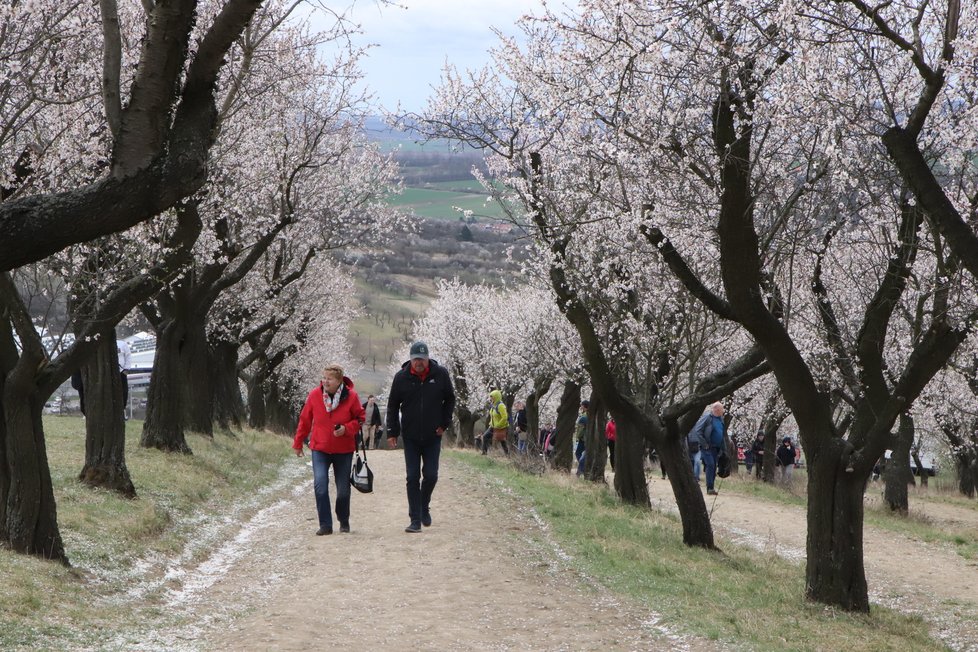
pixel 419 410
pixel 708 431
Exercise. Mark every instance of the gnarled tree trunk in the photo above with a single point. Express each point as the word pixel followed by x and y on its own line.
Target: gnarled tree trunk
pixel 897 474
pixel 229 409
pixel 835 573
pixel 105 425
pixel 163 428
pixel 567 409
pixel 28 513
pixel 630 483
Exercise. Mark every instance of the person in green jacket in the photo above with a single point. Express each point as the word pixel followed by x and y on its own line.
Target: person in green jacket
pixel 498 422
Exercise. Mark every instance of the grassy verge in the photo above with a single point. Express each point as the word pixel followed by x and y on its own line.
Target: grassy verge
pixel 740 598
pixel 111 541
pixel 960 536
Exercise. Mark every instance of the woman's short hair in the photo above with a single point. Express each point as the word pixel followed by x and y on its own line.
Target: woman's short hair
pixel 334 370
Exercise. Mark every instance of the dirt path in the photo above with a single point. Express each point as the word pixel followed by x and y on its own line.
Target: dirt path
pixel 487 575
pixel 484 576
pixel 906 574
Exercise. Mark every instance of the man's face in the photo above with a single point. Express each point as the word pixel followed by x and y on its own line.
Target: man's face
pixel 718 410
pixel 419 365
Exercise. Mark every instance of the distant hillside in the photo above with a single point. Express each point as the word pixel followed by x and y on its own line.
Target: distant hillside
pixel 395 285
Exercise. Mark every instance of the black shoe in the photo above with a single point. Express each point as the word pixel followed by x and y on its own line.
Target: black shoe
pixel 413 528
pixel 324 530
pixel 426 520
pixel 710 492
pixel 345 528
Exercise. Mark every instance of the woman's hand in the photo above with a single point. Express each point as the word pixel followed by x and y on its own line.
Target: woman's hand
pixel 339 431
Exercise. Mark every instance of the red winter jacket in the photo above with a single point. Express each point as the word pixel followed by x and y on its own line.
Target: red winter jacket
pixel 316 420
pixel 611 431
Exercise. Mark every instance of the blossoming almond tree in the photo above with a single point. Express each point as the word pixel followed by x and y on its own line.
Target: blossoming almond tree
pixel 288 156
pixel 734 121
pixel 161 126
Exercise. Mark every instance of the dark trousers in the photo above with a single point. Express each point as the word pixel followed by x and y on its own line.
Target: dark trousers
pixel 341 463
pixel 487 442
pixel 611 453
pixel 421 462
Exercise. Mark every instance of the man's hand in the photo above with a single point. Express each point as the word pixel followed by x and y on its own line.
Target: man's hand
pixel 439 431
pixel 392 442
pixel 298 452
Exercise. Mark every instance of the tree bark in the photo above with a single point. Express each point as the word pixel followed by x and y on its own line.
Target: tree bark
pixel 540 388
pixel 28 513
pixel 697 530
pixel 596 457
pixel 163 428
pixel 257 412
pixel 835 573
pixel 229 409
pixel 630 483
pixel 897 474
pixel 105 425
pixel 567 410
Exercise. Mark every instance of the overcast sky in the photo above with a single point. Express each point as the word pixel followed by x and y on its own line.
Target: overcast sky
pixel 413 43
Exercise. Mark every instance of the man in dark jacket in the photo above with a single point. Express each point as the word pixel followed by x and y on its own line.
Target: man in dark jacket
pixel 419 408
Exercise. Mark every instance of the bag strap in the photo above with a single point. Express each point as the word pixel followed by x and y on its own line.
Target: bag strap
pixel 363 447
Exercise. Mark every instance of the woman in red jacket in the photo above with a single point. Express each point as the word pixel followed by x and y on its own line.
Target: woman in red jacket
pixel 331 419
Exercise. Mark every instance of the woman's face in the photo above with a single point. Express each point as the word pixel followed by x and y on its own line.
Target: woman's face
pixel 331 382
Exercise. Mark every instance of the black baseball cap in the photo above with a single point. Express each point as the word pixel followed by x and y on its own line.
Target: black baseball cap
pixel 419 350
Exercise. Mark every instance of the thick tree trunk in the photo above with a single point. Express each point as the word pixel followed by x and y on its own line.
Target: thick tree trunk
pixel 596 457
pixel 197 362
pixel 540 389
pixel 466 426
pixel 920 468
pixel 567 410
pixel 835 574
pixel 897 474
pixel 229 409
pixel 163 428
pixel 674 457
pixel 257 411
pixel 282 417
pixel 28 513
pixel 966 465
pixel 105 425
pixel 630 483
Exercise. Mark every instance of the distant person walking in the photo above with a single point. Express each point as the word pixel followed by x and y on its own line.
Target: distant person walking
pixel 786 459
pixel 125 364
pixel 331 419
pixel 758 449
pixel 498 422
pixel 372 415
pixel 521 426
pixel 709 431
pixel 580 431
pixel 611 434
pixel 419 407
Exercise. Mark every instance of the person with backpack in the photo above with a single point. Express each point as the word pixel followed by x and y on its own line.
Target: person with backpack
pixel 498 422
pixel 708 432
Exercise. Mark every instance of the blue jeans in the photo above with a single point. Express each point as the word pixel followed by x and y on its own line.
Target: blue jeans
pixel 420 480
pixel 710 464
pixel 341 463
pixel 694 459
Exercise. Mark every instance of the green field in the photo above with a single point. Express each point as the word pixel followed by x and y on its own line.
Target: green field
pixel 438 203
